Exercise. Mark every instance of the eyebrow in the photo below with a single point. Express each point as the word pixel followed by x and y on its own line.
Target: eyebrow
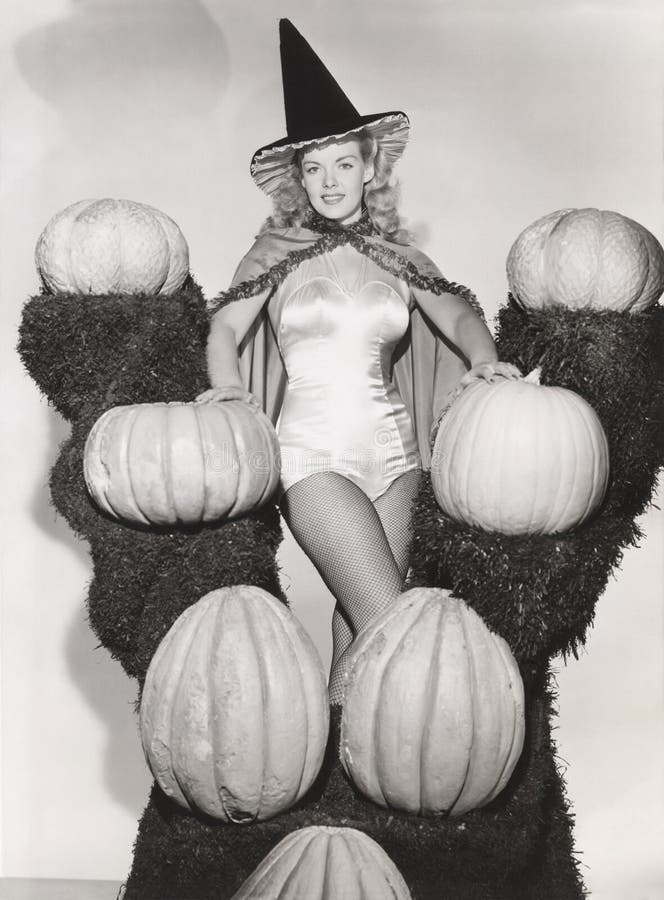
pixel 310 162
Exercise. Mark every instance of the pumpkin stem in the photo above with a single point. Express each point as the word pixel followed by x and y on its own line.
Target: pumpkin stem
pixel 534 376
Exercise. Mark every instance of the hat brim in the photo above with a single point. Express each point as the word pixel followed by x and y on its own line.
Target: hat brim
pixel 271 163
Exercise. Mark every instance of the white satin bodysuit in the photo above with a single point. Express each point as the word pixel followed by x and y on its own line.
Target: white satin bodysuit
pixel 337 318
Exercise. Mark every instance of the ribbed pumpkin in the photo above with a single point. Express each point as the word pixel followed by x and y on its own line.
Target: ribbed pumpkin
pixel 586 258
pixel 169 463
pixel 518 457
pixel 433 712
pixel 112 246
pixel 324 863
pixel 234 714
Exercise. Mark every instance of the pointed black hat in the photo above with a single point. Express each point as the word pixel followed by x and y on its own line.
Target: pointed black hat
pixel 316 109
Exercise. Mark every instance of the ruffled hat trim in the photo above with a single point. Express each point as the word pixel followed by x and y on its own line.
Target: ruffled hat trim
pixel 317 110
pixel 271 163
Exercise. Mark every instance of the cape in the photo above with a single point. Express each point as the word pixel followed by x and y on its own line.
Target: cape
pixel 426 367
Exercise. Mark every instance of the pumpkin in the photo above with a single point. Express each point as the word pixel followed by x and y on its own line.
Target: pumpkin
pixel 519 457
pixel 169 463
pixel 325 863
pixel 433 709
pixel 586 258
pixel 112 246
pixel 234 715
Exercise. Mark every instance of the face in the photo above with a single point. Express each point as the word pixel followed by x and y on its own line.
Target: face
pixel 334 177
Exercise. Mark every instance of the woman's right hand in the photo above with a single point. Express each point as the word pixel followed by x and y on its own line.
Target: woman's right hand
pixel 228 392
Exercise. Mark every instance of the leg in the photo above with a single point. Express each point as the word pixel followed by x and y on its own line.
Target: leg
pixel 342 633
pixel 337 526
pixel 394 509
pixel 339 529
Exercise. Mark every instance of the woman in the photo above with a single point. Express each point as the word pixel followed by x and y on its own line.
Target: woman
pixel 341 326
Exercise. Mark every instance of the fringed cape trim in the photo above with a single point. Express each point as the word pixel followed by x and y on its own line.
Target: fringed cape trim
pixel 411 265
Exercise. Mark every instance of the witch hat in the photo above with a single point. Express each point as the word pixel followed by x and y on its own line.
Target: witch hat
pixel 317 109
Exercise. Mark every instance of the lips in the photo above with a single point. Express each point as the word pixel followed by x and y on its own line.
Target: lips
pixel 332 198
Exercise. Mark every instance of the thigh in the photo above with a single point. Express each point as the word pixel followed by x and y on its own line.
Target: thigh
pixel 328 508
pixel 395 511
pixel 339 529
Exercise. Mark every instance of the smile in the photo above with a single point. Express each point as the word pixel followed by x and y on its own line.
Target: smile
pixel 332 198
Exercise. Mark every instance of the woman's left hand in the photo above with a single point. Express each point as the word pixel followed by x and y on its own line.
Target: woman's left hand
pixel 228 392
pixel 490 371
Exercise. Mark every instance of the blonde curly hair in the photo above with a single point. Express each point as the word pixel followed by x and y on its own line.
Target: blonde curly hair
pixel 291 206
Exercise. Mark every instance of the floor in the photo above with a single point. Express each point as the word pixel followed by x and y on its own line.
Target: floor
pixel 57 889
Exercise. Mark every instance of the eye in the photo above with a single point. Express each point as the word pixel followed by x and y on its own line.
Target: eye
pixel 346 165
pixel 310 170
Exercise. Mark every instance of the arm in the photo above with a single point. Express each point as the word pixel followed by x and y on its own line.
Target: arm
pixel 459 323
pixel 228 328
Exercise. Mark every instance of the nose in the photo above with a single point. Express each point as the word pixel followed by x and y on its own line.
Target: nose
pixel 330 179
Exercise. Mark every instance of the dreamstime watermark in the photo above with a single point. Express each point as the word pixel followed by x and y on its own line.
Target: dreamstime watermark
pixel 385 456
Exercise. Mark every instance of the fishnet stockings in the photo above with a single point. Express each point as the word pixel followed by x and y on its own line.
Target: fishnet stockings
pixel 359 548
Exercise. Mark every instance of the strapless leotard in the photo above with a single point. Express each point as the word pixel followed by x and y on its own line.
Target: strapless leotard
pixel 337 318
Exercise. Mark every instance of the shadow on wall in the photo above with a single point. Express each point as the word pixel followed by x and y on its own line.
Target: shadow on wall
pixel 111 695
pixel 127 62
pixel 95 674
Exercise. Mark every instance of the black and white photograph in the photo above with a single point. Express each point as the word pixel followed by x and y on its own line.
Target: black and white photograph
pixel 333 369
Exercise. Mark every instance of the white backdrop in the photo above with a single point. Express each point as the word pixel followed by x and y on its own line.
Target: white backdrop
pixel 518 108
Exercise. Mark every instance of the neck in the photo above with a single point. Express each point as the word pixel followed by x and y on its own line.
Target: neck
pixel 361 225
